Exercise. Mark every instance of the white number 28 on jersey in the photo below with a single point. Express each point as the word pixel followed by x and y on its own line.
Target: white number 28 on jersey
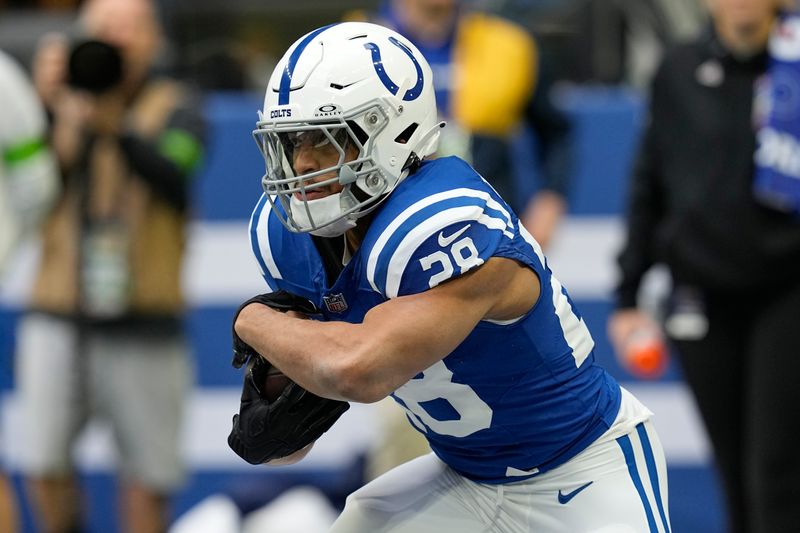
pixel 436 384
pixel 463 251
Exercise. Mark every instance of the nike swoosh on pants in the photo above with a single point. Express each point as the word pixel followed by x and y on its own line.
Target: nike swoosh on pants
pixel 565 498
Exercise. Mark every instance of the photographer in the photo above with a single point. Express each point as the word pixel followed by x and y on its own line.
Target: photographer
pixel 104 332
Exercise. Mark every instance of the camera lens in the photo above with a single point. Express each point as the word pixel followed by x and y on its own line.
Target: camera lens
pixel 94 66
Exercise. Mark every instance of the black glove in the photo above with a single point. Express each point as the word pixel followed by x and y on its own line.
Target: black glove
pixel 263 431
pixel 279 300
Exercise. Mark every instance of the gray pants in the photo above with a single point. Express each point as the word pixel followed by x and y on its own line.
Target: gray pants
pixel 137 384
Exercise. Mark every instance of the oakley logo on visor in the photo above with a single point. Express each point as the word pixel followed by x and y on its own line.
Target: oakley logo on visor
pixel 328 110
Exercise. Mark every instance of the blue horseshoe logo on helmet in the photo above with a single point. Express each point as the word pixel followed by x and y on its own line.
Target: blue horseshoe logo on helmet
pixel 411 94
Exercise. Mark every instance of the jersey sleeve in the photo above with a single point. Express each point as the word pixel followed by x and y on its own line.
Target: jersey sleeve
pixel 260 243
pixel 436 239
pixel 286 260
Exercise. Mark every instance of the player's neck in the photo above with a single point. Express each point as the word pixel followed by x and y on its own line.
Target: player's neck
pixel 354 237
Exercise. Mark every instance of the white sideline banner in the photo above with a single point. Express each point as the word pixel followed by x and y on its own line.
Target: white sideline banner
pixel 209 422
pixel 220 269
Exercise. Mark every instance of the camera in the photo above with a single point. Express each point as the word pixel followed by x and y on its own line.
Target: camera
pixel 94 66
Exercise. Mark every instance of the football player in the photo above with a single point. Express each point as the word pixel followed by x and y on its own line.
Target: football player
pixel 430 290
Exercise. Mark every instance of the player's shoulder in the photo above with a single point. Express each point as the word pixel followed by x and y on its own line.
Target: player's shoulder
pixel 450 166
pixel 442 189
pixel 440 221
pixel 447 177
pixel 262 234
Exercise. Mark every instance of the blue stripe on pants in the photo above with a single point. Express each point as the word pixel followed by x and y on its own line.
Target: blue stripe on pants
pixel 653 472
pixel 627 449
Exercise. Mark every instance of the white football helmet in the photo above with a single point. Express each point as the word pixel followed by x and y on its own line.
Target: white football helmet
pixel 364 89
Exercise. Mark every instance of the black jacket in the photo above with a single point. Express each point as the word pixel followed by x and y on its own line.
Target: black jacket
pixel 691 202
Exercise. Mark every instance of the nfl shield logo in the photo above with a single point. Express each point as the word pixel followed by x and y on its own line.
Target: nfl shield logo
pixel 335 303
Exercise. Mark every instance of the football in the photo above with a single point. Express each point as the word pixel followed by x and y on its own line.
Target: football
pixel 273 385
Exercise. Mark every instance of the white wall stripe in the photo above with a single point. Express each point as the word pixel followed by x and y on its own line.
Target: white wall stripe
pixel 220 269
pixel 209 420
pixel 205 435
pixel 583 255
pixel 676 419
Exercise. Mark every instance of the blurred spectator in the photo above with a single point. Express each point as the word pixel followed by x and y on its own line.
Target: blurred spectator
pixel 28 185
pixel 28 177
pixel 734 261
pixel 104 334
pixel 621 41
pixel 489 81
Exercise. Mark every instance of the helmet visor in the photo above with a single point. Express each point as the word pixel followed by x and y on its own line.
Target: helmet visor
pixel 332 144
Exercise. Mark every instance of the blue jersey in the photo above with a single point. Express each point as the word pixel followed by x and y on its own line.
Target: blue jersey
pixel 514 398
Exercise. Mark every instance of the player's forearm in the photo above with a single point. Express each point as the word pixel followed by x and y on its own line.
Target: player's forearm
pixel 397 339
pixel 325 358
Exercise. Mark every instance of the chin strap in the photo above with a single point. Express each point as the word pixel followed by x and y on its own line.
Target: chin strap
pixel 324 215
pixel 411 166
pixel 335 229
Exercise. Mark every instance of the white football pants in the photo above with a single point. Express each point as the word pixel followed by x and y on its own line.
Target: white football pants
pixel 614 486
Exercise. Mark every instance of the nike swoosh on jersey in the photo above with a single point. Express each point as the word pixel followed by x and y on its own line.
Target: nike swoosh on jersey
pixel 445 241
pixel 565 498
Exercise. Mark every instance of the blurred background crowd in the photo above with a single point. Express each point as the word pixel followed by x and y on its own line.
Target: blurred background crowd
pixel 116 293
pixel 231 46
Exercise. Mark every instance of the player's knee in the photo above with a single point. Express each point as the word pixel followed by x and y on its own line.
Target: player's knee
pixel 361 508
pixel 353 505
